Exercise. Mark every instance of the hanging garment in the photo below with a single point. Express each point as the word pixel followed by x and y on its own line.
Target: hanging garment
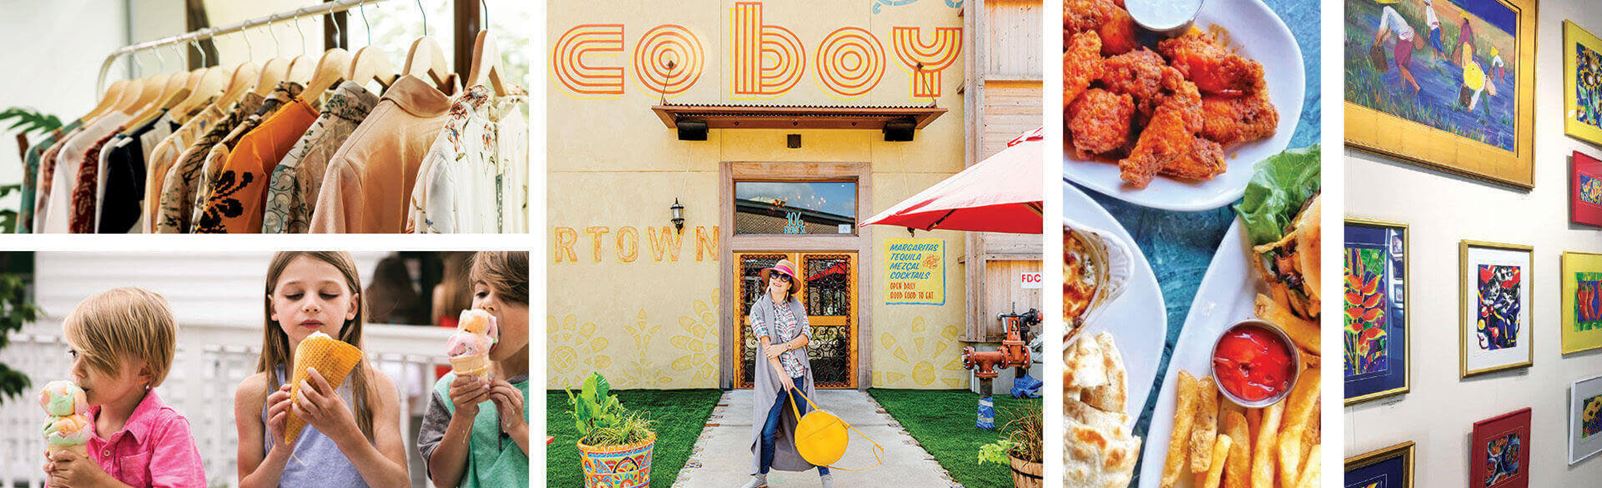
pixel 86 185
pixel 236 202
pixel 369 180
pixel 31 163
pixel 73 152
pixel 296 180
pixel 120 195
pixel 46 180
pixel 165 154
pixel 212 171
pixel 474 178
pixel 178 191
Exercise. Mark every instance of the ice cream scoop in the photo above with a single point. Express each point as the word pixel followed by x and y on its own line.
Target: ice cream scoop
pixel 469 347
pixel 68 426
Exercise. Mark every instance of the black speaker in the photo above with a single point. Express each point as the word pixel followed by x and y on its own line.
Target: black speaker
pixel 899 130
pixel 691 129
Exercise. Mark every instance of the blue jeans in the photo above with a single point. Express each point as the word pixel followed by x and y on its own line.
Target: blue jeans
pixel 770 427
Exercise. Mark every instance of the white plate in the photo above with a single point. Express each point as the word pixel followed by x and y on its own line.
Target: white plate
pixel 1224 297
pixel 1137 319
pixel 1258 34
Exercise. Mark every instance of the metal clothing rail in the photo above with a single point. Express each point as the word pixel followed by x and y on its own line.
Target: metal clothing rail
pixel 328 8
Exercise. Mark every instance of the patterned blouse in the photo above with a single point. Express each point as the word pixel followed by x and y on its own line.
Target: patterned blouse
pixel 84 189
pixel 294 184
pixel 214 183
pixel 165 153
pixel 178 190
pixel 786 329
pixel 474 178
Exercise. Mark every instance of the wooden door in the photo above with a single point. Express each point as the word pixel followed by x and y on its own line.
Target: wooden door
pixel 827 288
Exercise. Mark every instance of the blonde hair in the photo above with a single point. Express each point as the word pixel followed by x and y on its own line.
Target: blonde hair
pixel 505 272
pixel 275 343
pixel 124 322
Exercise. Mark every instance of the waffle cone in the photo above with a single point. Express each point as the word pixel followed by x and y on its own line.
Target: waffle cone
pixel 334 359
pixel 82 450
pixel 471 365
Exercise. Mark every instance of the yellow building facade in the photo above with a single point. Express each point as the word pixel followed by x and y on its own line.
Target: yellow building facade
pixel 650 305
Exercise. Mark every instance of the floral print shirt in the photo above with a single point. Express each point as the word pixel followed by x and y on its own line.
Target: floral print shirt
pixel 178 189
pixel 293 186
pixel 216 184
pixel 474 178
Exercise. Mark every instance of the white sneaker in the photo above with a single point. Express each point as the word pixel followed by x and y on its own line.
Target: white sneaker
pixel 757 481
pixel 828 480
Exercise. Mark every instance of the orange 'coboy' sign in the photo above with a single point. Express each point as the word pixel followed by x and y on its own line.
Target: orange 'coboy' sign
pixel 767 58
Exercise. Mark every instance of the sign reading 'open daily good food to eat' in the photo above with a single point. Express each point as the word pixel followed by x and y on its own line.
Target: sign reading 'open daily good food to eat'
pixel 917 272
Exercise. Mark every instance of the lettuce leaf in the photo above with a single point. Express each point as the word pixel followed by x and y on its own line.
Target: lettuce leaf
pixel 1276 193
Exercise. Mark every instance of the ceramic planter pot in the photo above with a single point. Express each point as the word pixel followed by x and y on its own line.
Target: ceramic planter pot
pixel 625 466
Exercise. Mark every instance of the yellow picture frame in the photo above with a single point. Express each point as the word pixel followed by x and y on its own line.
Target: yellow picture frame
pixel 1414 142
pixel 1575 36
pixel 1573 340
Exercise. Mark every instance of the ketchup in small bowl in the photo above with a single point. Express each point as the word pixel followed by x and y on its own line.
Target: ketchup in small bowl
pixel 1255 364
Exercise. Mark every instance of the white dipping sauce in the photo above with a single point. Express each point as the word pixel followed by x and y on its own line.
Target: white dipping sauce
pixel 1163 14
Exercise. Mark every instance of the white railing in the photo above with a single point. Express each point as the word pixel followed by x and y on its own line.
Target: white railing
pixel 211 362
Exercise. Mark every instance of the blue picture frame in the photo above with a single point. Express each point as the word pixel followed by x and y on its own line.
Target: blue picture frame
pixel 1375 332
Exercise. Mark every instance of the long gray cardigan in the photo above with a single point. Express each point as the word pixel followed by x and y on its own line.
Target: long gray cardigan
pixel 785 457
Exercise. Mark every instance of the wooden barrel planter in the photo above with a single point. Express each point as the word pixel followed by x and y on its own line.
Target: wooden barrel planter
pixel 1025 474
pixel 626 466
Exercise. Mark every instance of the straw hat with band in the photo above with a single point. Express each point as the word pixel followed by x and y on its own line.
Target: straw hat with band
pixel 784 266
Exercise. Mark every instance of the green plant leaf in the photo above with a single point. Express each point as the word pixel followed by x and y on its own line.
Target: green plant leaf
pixel 1283 182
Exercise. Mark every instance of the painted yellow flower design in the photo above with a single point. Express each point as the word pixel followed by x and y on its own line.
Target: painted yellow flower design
pixel 574 350
pixel 919 359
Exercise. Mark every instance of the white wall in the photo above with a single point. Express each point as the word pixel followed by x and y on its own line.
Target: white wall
pixel 53 51
pixel 1441 209
pixel 223 288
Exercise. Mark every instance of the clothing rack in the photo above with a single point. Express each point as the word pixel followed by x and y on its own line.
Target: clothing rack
pixel 328 8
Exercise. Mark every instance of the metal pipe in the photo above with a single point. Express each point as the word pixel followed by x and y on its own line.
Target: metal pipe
pixel 333 7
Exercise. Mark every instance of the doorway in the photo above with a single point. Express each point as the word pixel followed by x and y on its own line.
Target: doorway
pixel 827 286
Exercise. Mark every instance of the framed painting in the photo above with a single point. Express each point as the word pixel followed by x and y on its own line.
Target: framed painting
pixel 1585 190
pixel 1582 84
pixel 1496 327
pixel 1582 302
pixel 1376 328
pixel 1446 84
pixel 1391 467
pixel 1499 454
pixel 1585 419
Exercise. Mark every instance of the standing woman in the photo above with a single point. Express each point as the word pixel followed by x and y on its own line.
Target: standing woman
pixel 780 324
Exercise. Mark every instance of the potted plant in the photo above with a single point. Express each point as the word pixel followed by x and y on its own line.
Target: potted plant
pixel 614 444
pixel 1021 449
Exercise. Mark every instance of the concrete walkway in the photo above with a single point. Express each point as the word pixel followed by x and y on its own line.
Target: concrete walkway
pixel 722 455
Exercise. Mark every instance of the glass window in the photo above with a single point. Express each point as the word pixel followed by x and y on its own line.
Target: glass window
pixel 792 207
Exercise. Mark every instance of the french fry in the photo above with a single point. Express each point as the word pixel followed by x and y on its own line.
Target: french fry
pixel 1299 407
pixel 1263 449
pixel 1237 469
pixel 1310 360
pixel 1184 415
pixel 1205 431
pixel 1301 331
pixel 1310 476
pixel 1254 420
pixel 1310 435
pixel 1220 456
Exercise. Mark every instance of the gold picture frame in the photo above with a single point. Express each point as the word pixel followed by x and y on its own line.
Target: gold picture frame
pixel 1407 316
pixel 1467 323
pixel 1403 450
pixel 1373 130
pixel 1575 37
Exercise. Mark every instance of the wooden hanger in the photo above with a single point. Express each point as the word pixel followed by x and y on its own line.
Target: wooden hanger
pixel 426 58
pixel 486 64
pixel 172 92
pixel 107 100
pixel 242 80
pixel 272 72
pixel 208 84
pixel 372 65
pixel 149 88
pixel 330 70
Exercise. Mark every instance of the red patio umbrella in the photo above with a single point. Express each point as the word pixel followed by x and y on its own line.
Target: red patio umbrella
pixel 1003 193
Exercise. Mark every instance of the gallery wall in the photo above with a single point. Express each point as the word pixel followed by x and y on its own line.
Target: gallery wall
pixel 1442 209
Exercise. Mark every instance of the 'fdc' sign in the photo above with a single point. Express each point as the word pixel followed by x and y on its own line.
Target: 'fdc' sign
pixel 768 59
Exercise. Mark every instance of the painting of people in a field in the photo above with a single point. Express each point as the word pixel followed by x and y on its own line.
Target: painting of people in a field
pixel 1447 64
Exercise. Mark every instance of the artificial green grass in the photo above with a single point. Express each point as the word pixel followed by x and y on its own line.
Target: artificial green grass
pixel 677 416
pixel 942 421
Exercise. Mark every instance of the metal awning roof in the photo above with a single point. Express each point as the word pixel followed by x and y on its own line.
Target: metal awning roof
pixel 795 116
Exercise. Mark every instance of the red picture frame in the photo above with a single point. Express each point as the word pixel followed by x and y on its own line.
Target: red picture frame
pixel 1585 190
pixel 1499 455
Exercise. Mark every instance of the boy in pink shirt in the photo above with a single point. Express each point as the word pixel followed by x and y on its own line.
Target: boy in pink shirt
pixel 122 342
